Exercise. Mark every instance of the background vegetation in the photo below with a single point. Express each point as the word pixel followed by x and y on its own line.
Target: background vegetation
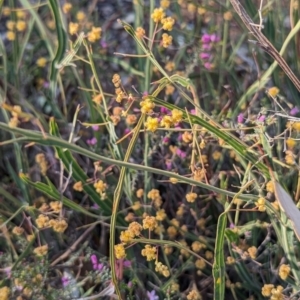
pixel 149 150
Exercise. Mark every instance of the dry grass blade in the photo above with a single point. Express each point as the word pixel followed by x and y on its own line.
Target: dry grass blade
pixel 264 43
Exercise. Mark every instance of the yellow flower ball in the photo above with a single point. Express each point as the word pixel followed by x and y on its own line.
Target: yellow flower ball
pixel 290 143
pixel 66 8
pixel 10 25
pixel 41 251
pixel 10 35
pixel 41 62
pixel 273 91
pixel 151 124
pixel 73 28
pixel 21 25
pixel 158 14
pixel 80 16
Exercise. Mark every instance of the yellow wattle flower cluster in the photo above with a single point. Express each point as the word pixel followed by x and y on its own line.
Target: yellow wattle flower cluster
pixel 152 123
pixel 120 251
pixel 275 293
pixel 18 230
pixel 158 14
pixel 191 197
pixel 42 162
pixel 168 23
pixel 100 187
pixel 5 293
pixel 116 80
pixel 149 252
pixel 13 27
pixel 284 271
pixel 43 221
pixel 56 206
pixel 162 269
pixel 147 106
pixel 166 40
pixel 149 222
pixel 94 35
pixel 261 204
pixel 14 120
pixel 41 251
pixel 73 28
pixel 140 32
pixel 134 230
pixel 161 215
pixel 58 225
pixel 78 186
pixel 67 8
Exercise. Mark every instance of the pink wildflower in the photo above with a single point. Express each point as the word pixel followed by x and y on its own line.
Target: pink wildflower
pixel 205 38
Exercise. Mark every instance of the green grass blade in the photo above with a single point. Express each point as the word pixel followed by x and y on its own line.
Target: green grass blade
pixel 52 192
pixel 62 41
pixel 71 165
pixel 219 263
pixel 117 198
pixel 52 141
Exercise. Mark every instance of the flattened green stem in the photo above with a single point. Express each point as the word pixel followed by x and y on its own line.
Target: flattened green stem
pixel 47 140
pixel 67 61
pixel 230 139
pixel 117 198
pixel 219 262
pixel 62 41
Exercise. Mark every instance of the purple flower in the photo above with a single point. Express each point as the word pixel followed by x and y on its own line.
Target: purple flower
pixel 65 281
pixel 169 164
pixel 206 47
pixel 145 93
pixel 128 132
pixel 193 111
pixel 103 44
pixel 8 272
pixel 166 140
pixel 208 66
pixel 261 118
pixel 151 295
pixel 240 118
pixel 204 55
pixel 92 141
pixel 180 153
pixel 164 110
pixel 294 111
pixel 46 84
pixel 231 226
pixel 95 127
pixel 214 38
pixel 126 263
pixel 95 206
pixel 129 284
pixel 94 259
pixel 205 38
pixel 100 267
